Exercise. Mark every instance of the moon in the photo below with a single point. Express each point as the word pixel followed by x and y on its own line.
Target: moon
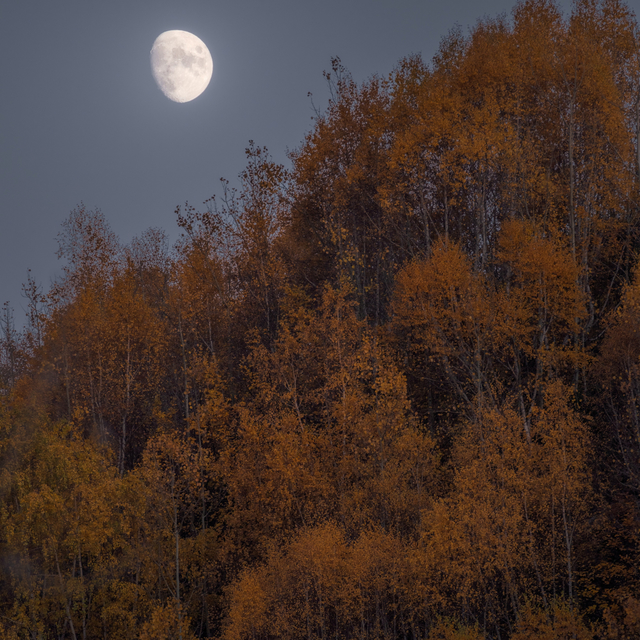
pixel 181 65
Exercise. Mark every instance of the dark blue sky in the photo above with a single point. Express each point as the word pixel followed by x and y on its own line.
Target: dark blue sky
pixel 81 118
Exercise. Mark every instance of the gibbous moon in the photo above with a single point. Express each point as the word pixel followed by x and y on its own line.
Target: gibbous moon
pixel 181 65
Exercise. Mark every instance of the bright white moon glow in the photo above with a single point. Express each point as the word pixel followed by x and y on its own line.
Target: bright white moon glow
pixel 181 65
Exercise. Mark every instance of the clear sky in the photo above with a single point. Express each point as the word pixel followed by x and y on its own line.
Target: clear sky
pixel 81 118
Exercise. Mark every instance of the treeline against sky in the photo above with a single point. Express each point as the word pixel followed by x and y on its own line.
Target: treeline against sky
pixel 390 392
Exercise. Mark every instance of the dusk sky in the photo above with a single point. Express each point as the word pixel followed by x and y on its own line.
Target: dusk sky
pixel 82 119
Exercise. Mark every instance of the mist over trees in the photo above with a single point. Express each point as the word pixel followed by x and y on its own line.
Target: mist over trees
pixel 389 392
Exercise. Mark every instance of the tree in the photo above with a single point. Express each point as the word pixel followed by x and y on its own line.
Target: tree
pixel 12 356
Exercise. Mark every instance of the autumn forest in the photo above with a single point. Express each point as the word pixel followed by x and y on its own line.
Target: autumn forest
pixel 391 391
